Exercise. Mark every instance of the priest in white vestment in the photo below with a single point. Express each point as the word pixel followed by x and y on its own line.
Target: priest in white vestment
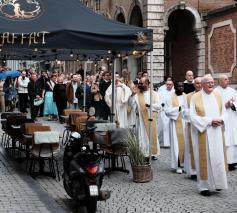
pixel 122 94
pixel 163 121
pixel 189 158
pixel 207 114
pixel 229 97
pixel 176 109
pixel 141 103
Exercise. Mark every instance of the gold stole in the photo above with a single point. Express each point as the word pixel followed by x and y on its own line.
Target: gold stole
pixel 189 96
pixel 145 116
pixel 179 128
pixel 202 136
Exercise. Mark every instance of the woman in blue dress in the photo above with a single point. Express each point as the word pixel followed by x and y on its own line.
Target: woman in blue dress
pixel 50 108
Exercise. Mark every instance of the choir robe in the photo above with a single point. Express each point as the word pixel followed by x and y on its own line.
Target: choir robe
pixel 138 102
pixel 163 120
pixel 177 127
pixel 189 159
pixel 230 125
pixel 122 95
pixel 211 162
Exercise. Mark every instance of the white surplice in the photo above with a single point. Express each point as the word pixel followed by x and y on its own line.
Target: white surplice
pixel 141 132
pixel 173 113
pixel 230 125
pixel 122 95
pixel 214 142
pixel 187 153
pixel 163 121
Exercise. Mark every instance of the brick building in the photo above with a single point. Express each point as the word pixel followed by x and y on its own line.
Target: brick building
pixel 188 34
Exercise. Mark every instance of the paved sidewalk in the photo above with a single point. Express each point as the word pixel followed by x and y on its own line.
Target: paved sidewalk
pixel 168 192
pixel 20 193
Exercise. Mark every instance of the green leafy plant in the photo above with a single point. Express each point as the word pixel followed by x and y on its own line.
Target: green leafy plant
pixel 136 155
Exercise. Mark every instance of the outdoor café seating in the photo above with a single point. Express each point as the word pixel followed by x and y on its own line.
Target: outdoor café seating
pixel 13 130
pixel 111 140
pixel 4 116
pixel 45 147
pixel 28 136
pixel 71 125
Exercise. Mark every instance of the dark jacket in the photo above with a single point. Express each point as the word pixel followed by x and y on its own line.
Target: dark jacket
pixel 70 93
pixel 103 86
pixel 41 85
pixel 59 93
pixel 33 89
pixel 80 95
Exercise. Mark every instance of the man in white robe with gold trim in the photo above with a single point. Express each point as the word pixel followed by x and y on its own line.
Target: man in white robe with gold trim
pixel 189 158
pixel 229 97
pixel 207 115
pixel 163 120
pixel 176 109
pixel 141 103
pixel 122 94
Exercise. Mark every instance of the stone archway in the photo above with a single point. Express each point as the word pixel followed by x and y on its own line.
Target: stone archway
pixel 183 41
pixel 136 18
pixel 120 18
pixel 120 15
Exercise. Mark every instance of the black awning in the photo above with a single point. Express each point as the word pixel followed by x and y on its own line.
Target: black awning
pixel 64 25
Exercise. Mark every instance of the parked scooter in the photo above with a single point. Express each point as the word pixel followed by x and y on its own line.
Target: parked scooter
pixel 83 171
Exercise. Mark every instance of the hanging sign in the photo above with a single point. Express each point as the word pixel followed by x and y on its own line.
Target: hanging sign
pixel 29 39
pixel 20 9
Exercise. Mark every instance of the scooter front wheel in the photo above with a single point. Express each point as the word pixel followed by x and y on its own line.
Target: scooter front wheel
pixel 92 205
pixel 82 209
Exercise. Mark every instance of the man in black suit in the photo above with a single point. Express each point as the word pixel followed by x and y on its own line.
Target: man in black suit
pixel 33 93
pixel 103 86
pixel 41 82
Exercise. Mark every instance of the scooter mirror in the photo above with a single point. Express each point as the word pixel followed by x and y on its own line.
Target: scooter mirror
pixel 91 111
pixel 76 135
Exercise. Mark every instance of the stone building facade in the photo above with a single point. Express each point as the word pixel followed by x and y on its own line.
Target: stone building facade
pixel 188 34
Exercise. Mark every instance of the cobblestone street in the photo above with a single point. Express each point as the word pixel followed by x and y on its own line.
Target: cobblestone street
pixel 167 192
pixel 20 193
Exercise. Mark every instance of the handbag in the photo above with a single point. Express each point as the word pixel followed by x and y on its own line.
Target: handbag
pixel 38 101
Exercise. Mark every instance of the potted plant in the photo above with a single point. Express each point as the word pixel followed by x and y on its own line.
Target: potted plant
pixel 141 168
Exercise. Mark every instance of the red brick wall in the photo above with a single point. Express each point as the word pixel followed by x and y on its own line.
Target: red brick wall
pixel 222 45
pixel 222 51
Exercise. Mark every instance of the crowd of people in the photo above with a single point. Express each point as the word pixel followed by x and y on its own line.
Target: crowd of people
pixel 194 118
pixel 197 121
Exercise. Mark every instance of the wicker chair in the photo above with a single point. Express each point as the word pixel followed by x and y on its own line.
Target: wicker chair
pixel 66 113
pixel 71 126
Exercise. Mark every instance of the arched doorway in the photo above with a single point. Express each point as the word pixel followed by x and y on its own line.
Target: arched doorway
pixel 120 17
pixel 120 63
pixel 181 44
pixel 136 17
pixel 135 64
